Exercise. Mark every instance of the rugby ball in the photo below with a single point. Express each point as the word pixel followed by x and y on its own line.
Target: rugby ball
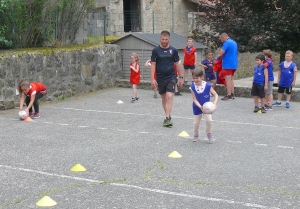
pixel 23 114
pixel 208 108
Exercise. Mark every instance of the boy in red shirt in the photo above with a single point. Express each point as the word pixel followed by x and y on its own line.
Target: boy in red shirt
pixel 190 59
pixel 31 93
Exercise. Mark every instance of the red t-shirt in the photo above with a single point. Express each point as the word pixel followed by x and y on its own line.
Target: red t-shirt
pixel 135 77
pixel 189 56
pixel 35 88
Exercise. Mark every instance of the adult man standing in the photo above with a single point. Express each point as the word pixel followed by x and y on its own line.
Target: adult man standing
pixel 229 52
pixel 163 59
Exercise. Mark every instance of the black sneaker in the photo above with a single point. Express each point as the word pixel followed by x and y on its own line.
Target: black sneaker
pixel 168 122
pixel 228 97
pixel 136 99
pixel 132 100
pixel 255 109
pixel 263 110
pixel 232 96
pixel 178 94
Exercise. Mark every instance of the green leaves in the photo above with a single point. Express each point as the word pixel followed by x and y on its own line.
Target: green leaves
pixel 255 24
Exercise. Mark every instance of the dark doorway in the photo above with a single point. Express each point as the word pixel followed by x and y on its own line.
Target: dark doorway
pixel 132 15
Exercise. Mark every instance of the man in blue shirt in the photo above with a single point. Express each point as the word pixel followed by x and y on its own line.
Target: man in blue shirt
pixel 229 52
pixel 163 59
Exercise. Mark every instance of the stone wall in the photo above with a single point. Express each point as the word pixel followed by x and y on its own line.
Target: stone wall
pixel 65 73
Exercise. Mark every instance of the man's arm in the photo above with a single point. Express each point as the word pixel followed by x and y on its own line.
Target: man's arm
pixel 179 70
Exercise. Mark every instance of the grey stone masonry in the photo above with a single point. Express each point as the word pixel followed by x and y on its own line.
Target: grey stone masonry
pixel 65 73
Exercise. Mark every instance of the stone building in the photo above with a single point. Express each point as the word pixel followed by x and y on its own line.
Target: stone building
pixel 148 16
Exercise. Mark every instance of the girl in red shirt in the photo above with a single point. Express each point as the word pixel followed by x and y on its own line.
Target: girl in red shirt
pixel 135 75
pixel 31 93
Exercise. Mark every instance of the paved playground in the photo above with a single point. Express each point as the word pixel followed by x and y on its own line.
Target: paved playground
pixel 254 162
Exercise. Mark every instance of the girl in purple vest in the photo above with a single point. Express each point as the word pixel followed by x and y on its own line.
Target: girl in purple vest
pixel 201 93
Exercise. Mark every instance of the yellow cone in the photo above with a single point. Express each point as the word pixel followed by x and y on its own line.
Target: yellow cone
pixel 259 111
pixel 46 202
pixel 78 168
pixel 174 154
pixel 183 134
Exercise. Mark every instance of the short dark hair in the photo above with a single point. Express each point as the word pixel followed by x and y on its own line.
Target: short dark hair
pixel 165 33
pixel 198 72
pixel 260 57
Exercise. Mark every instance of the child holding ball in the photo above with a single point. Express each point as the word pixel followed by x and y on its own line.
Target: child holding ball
pixel 201 93
pixel 31 92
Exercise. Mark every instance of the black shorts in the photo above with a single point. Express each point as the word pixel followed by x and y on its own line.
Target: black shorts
pixel 288 90
pixel 258 90
pixel 166 86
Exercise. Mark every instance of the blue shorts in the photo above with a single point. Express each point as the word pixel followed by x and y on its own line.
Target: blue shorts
pixel 186 67
pixel 209 76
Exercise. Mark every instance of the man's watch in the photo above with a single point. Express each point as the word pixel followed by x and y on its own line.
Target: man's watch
pixel 180 76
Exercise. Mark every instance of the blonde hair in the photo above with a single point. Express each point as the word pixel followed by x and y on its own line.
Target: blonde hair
pixel 289 52
pixel 136 57
pixel 268 53
pixel 23 83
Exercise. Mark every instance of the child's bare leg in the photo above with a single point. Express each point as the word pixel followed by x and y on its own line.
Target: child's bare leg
pixel 208 120
pixel 288 97
pixel 255 98
pixel 279 97
pixel 214 84
pixel 262 102
pixel 197 120
pixel 186 73
pixel 134 88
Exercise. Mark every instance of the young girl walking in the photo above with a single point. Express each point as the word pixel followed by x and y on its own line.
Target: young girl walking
pixel 135 75
pixel 201 91
pixel 31 92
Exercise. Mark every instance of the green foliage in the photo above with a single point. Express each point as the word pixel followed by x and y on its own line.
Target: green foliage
pixel 32 23
pixel 255 25
pixel 4 42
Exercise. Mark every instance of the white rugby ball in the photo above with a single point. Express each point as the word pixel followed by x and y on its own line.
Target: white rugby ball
pixel 208 108
pixel 23 114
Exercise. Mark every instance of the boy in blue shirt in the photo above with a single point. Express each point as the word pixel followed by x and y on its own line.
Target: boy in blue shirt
pixel 286 78
pixel 208 64
pixel 269 65
pixel 260 83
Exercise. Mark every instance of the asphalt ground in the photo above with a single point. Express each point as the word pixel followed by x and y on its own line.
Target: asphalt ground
pixel 254 162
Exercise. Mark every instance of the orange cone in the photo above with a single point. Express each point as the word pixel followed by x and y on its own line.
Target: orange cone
pixel 27 119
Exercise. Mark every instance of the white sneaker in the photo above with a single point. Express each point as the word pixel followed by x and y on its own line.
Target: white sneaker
pixel 195 138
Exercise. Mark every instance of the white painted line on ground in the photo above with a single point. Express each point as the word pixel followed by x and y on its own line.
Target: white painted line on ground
pixel 143 132
pixel 285 147
pixel 261 144
pixel 48 122
pixel 253 205
pixel 122 130
pixel 50 174
pixel 239 142
pixel 63 124
pixel 82 126
pixel 102 128
pixel 140 188
pixel 179 117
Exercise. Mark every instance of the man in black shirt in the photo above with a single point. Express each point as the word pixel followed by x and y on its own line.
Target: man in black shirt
pixel 163 59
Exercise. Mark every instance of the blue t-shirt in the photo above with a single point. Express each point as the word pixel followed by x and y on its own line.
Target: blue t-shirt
pixel 202 97
pixel 287 75
pixel 259 76
pixel 230 57
pixel 270 69
pixel 165 59
pixel 209 64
